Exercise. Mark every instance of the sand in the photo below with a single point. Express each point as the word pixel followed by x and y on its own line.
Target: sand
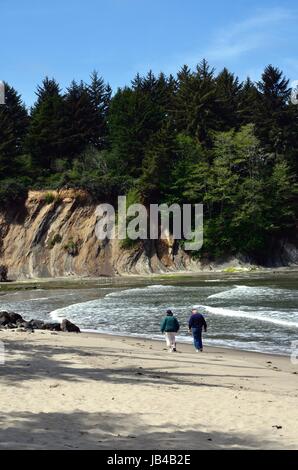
pixel 66 391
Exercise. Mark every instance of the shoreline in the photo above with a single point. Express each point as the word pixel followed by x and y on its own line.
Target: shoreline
pixel 153 276
pixel 188 344
pixel 95 391
pixel 128 281
pixel 188 348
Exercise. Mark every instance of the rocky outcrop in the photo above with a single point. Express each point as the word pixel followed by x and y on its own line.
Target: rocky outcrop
pixel 11 320
pixel 69 327
pixel 55 237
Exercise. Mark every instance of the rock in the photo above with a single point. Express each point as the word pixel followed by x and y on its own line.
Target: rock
pixel 52 327
pixel 10 318
pixel 69 327
pixel 4 318
pixel 13 321
pixel 3 273
pixel 36 324
pixel 16 318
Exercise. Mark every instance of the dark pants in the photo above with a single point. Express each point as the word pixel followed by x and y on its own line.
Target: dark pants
pixel 197 336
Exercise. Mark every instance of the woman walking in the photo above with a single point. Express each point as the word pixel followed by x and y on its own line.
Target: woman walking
pixel 170 327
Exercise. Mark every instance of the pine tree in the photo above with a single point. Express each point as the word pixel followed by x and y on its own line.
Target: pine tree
pixel 135 116
pixel 157 165
pixel 79 117
pixel 100 96
pixel 196 103
pixel 45 139
pixel 249 102
pixel 14 122
pixel 228 90
pixel 273 116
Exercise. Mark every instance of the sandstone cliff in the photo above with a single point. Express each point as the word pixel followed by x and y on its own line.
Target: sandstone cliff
pixel 54 236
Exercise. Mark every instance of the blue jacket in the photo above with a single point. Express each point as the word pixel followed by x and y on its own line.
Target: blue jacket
pixel 197 321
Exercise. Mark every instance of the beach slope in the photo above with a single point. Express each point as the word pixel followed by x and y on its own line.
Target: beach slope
pixel 65 391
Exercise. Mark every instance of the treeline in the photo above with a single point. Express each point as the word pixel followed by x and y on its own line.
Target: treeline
pixel 199 137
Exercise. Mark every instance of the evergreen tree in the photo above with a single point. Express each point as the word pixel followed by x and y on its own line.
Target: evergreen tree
pixel 45 139
pixel 273 117
pixel 196 103
pixel 14 122
pixel 197 138
pixel 157 165
pixel 228 90
pixel 249 102
pixel 100 97
pixel 79 120
pixel 133 119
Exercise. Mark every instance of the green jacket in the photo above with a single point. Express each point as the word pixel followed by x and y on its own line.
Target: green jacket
pixel 169 325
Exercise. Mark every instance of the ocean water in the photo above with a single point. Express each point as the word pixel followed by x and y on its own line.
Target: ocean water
pixel 245 312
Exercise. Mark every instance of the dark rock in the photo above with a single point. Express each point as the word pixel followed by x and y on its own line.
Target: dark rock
pixel 52 327
pixel 4 318
pixel 36 324
pixel 10 318
pixel 16 318
pixel 69 327
pixel 3 273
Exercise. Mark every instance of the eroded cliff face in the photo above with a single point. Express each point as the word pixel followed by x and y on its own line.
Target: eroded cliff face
pixel 57 239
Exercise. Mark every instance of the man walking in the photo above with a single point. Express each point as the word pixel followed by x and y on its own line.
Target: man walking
pixel 196 324
pixel 170 327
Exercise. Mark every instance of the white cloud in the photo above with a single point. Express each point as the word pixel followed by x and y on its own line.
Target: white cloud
pixel 247 35
pixel 265 31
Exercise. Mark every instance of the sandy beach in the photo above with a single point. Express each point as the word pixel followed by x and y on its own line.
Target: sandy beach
pixel 87 391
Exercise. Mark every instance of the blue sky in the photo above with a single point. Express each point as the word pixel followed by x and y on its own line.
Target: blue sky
pixel 68 39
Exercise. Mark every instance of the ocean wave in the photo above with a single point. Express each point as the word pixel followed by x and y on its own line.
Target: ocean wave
pixel 226 312
pixel 140 290
pixel 248 291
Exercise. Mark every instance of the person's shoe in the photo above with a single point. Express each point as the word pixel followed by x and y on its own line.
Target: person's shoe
pixel 174 350
pixel 197 350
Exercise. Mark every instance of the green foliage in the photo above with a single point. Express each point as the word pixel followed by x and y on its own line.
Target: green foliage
pixel 55 240
pixel 129 244
pixel 13 127
pixel 45 137
pixel 199 137
pixel 72 247
pixel 13 190
pixel 133 197
pixel 49 198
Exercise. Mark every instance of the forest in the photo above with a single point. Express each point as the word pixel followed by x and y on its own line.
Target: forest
pixel 197 137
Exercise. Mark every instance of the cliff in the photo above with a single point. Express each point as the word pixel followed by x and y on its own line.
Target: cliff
pixel 54 236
